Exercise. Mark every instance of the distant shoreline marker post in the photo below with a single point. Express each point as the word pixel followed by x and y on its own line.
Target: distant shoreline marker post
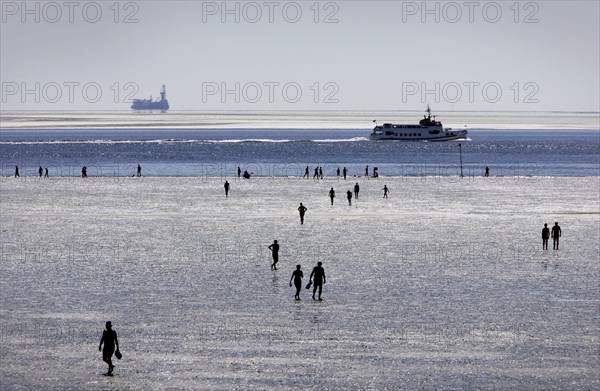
pixel 460 153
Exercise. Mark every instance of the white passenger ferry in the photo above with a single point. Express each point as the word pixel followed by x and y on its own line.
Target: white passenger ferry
pixel 427 130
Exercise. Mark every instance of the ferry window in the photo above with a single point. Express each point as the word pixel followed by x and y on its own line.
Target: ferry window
pixel 419 134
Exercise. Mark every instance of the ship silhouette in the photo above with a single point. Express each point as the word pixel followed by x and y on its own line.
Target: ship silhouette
pixel 149 104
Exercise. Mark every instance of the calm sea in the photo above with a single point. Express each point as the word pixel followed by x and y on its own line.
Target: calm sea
pixel 272 152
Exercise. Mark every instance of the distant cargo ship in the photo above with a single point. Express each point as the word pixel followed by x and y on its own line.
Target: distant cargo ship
pixel 149 104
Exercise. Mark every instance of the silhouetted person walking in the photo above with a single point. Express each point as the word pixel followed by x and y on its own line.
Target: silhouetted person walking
pixel 338 171
pixel 367 171
pixel 139 170
pixel 356 190
pixel 316 174
pixel 297 277
pixel 306 174
pixel 226 186
pixel 487 171
pixel 555 235
pixel 545 237
pixel 84 172
pixel 17 172
pixel 345 172
pixel 109 339
pixel 275 252
pixel 331 195
pixel 40 171
pixel 302 209
pixel 321 172
pixel 385 191
pixel 239 171
pixel 349 196
pixel 46 173
pixel 319 279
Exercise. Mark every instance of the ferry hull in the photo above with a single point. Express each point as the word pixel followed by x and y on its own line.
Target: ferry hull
pixel 451 135
pixel 146 105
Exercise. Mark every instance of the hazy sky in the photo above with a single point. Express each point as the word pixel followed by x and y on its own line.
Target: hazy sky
pixel 303 55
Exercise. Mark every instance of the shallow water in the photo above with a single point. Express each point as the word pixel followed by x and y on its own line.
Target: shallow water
pixel 443 285
pixel 287 152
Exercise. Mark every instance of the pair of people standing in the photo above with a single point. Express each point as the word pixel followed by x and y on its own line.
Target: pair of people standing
pixel 348 195
pixel 41 171
pixel 317 279
pixel 555 233
pixel 318 172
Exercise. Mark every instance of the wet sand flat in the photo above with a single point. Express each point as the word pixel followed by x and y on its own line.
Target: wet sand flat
pixel 444 285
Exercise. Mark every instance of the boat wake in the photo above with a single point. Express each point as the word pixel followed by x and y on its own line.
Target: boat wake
pixel 338 140
pixel 175 141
